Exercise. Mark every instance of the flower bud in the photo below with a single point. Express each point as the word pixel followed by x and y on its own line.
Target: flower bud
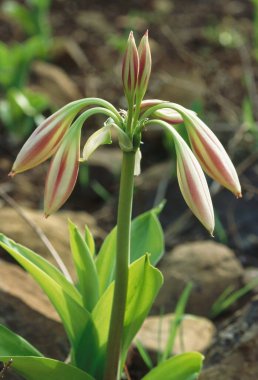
pixel 193 184
pixel 63 171
pixel 211 154
pixel 169 115
pixel 44 141
pixel 130 69
pixel 144 66
pixel 191 179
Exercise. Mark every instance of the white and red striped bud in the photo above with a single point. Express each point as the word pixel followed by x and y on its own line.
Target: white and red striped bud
pixel 193 185
pixel 169 115
pixel 44 141
pixel 145 104
pixel 144 66
pixel 211 154
pixel 63 171
pixel 130 69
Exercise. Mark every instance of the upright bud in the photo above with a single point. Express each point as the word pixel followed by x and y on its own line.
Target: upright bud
pixel 144 66
pixel 130 69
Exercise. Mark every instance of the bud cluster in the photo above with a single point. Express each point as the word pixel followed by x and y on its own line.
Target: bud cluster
pixel 59 137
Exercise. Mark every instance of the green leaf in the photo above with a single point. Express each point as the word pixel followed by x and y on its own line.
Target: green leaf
pixel 144 354
pixel 143 285
pixel 146 236
pixel 73 315
pixel 33 368
pixel 89 240
pixel 13 344
pixel 85 267
pixel 180 367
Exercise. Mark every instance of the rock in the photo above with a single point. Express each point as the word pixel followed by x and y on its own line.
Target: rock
pixel 194 334
pixel 55 228
pixel 251 277
pixel 212 267
pixel 234 352
pixel 26 310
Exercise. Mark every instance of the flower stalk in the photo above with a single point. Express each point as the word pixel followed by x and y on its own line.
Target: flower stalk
pixel 112 368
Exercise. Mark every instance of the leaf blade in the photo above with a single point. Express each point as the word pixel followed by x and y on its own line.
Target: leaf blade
pixel 14 344
pixel 34 368
pixel 146 236
pixel 73 315
pixel 85 268
pixel 180 367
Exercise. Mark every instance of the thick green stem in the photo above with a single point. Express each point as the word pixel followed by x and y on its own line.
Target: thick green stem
pixel 112 368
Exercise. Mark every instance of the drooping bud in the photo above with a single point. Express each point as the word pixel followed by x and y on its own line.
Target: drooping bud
pixel 144 66
pixel 169 115
pixel 44 141
pixel 63 171
pixel 130 69
pixel 193 185
pixel 145 104
pixel 211 154
pixel 191 179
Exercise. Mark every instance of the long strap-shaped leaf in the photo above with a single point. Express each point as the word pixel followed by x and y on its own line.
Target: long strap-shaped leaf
pixel 181 367
pixel 75 318
pixel 85 268
pixel 13 344
pixel 33 368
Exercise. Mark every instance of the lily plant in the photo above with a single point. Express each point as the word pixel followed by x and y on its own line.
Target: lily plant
pixel 103 309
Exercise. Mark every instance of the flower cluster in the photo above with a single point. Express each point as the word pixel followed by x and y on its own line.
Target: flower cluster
pixel 59 137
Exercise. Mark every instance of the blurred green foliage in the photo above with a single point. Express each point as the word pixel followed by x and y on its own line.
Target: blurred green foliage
pixel 20 107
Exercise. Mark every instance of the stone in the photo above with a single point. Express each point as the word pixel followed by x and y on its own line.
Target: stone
pixel 55 228
pixel 212 267
pixel 251 277
pixel 194 334
pixel 234 352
